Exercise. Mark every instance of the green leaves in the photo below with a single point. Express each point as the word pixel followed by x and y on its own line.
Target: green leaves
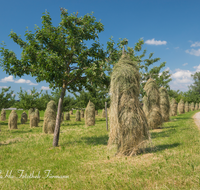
pixel 7 99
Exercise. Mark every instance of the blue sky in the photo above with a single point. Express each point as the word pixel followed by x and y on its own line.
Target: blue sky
pixel 170 29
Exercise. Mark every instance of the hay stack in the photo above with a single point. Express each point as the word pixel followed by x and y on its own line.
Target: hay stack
pixel 31 110
pixel 78 115
pixel 192 106
pixel 33 119
pixel 164 104
pixel 196 106
pixel 181 107
pixel 37 114
pixel 23 118
pixel 50 118
pixel 186 107
pixel 62 117
pixel 152 104
pixel 103 113
pixel 128 123
pixel 71 112
pixel 90 114
pixel 67 116
pixel 3 115
pixel 173 107
pixel 96 112
pixel 12 120
pixel 82 113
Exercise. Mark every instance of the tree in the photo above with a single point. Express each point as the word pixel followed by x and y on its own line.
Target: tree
pixel 7 99
pixel 59 55
pixel 114 54
pixel 196 85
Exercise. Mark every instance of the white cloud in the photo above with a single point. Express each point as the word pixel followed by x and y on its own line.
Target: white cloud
pixel 7 79
pixel 196 44
pixel 3 87
pixel 22 81
pixel 155 42
pixel 193 52
pixel 197 68
pixel 45 88
pixel 185 64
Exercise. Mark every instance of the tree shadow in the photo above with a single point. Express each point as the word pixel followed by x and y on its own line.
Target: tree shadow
pixel 96 140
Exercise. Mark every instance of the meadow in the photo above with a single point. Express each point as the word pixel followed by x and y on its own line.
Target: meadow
pixel 83 161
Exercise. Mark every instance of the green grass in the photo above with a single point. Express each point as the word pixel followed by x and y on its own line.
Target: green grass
pixel 173 163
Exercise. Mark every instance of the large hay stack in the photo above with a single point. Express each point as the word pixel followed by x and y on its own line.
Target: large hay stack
pixel 152 104
pixel 186 107
pixel 23 118
pixel 192 106
pixel 103 113
pixel 37 114
pixel 71 112
pixel 196 106
pixel 90 114
pixel 31 110
pixel 12 120
pixel 173 107
pixel 33 119
pixel 67 116
pixel 78 115
pixel 128 123
pixel 82 113
pixel 181 107
pixel 50 118
pixel 3 115
pixel 164 104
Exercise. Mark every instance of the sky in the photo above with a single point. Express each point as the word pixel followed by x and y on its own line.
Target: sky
pixel 169 28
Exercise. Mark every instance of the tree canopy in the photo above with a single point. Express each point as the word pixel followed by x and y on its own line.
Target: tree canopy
pixel 7 99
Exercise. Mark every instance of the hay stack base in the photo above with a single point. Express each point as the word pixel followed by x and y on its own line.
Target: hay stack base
pixel 33 119
pixel 67 116
pixel 90 114
pixel 12 121
pixel 128 123
pixel 3 115
pixel 78 115
pixel 23 118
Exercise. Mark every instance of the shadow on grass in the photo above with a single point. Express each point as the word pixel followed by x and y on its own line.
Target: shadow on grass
pixel 96 140
pixel 165 133
pixel 27 131
pixel 160 148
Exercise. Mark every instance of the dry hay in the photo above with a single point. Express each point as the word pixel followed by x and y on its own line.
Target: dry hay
pixel 71 112
pixel 164 104
pixel 192 106
pixel 181 107
pixel 3 115
pixel 90 114
pixel 78 115
pixel 62 117
pixel 31 110
pixel 12 120
pixel 96 112
pixel 152 104
pixel 33 119
pixel 103 113
pixel 82 113
pixel 23 118
pixel 196 106
pixel 173 107
pixel 37 114
pixel 128 123
pixel 186 107
pixel 50 118
pixel 67 116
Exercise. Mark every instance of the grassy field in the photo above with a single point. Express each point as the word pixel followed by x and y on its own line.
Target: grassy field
pixel 82 160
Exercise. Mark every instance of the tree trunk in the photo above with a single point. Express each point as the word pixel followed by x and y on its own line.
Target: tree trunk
pixel 58 117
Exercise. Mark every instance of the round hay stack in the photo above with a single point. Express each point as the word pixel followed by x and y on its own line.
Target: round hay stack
pixel 31 110
pixel 50 118
pixel 96 112
pixel 3 115
pixel 152 104
pixel 103 113
pixel 78 115
pixel 186 107
pixel 128 123
pixel 12 120
pixel 164 104
pixel 82 113
pixel 181 107
pixel 38 115
pixel 33 119
pixel 192 106
pixel 23 118
pixel 71 112
pixel 67 116
pixel 173 107
pixel 90 114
